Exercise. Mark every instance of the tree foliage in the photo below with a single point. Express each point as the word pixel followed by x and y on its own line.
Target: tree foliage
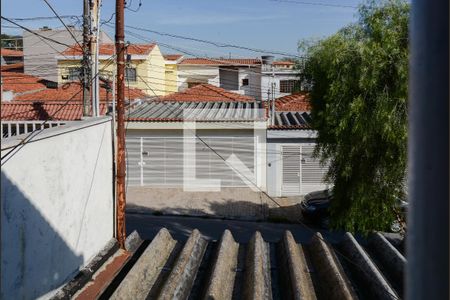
pixel 358 82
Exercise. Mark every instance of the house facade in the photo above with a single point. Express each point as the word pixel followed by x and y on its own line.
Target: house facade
pixel 145 67
pixel 40 54
pixel 242 76
pixel 185 140
pixel 280 73
pixel 292 169
pixel 171 72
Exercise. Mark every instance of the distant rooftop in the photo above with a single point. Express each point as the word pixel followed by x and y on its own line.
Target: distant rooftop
pixel 19 111
pixel 31 88
pixel 168 111
pixel 221 61
pixel 9 52
pixel 294 102
pixel 206 92
pixel 172 57
pixel 109 49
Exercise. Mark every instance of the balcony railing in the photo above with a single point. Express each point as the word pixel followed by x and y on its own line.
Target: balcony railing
pixel 13 128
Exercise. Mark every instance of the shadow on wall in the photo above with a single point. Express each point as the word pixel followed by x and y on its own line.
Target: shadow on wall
pixel 34 258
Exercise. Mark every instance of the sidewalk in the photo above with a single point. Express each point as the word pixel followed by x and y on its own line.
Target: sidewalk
pixel 229 203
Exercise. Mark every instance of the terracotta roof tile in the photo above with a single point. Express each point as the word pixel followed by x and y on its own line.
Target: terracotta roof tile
pixel 172 56
pixel 16 67
pixel 73 90
pixel 221 61
pixel 206 92
pixel 9 52
pixel 43 111
pixel 108 49
pixel 294 102
pixel 20 82
pixel 284 62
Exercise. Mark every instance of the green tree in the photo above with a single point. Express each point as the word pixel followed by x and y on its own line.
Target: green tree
pixel 358 81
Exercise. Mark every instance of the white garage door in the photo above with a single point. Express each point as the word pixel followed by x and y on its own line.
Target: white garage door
pixel 158 161
pixel 301 173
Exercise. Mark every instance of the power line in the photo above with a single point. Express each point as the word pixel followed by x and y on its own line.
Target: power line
pixel 279 205
pixel 64 24
pixel 28 138
pixel 35 33
pixel 315 3
pixel 46 18
pixel 216 44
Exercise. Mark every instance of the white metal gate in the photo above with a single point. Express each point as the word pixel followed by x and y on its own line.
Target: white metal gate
pixel 301 173
pixel 158 161
pixel 291 168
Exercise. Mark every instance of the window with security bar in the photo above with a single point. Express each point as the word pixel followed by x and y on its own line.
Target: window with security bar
pixel 130 74
pixel 74 74
pixel 289 86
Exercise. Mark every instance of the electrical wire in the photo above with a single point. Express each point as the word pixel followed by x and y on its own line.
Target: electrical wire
pixel 64 24
pixel 37 34
pixel 46 18
pixel 279 205
pixel 216 44
pixel 315 3
pixel 29 137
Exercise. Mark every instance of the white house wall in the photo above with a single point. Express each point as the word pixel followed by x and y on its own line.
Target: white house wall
pixel 195 73
pixel 274 167
pixel 57 207
pixel 155 144
pixel 267 79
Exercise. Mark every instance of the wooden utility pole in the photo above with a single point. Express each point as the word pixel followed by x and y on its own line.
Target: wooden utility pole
pixel 120 51
pixel 86 68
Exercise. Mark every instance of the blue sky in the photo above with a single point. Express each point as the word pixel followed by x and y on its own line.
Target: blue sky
pixel 262 24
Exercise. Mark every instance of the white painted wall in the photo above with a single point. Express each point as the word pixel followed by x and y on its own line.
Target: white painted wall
pixel 275 139
pixel 219 76
pixel 56 206
pixel 253 75
pixel 141 169
pixel 266 81
pixel 197 73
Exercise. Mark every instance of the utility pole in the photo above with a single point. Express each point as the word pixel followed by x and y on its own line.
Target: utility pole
pixel 94 48
pixel 120 51
pixel 86 68
pixel 272 121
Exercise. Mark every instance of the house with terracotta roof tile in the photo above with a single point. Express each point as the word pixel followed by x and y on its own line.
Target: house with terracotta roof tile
pixel 9 56
pixel 145 69
pixel 229 123
pixel 239 75
pixel 292 168
pixel 255 77
pixel 27 101
pixel 41 46
pixel 282 75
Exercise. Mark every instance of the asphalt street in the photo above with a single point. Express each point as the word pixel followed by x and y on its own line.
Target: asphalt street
pixel 180 227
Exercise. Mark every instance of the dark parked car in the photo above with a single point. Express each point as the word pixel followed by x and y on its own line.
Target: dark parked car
pixel 315 206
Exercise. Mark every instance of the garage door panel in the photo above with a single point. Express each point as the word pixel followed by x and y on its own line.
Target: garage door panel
pixel 163 159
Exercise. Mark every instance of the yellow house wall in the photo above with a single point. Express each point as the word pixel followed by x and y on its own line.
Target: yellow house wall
pixel 171 78
pixel 150 72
